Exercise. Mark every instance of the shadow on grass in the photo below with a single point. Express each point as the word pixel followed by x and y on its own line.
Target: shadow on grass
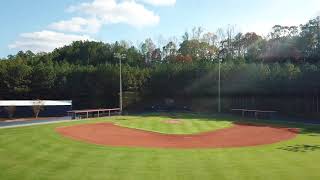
pixel 310 131
pixel 301 148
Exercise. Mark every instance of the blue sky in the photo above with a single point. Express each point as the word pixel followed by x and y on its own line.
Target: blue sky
pixel 41 25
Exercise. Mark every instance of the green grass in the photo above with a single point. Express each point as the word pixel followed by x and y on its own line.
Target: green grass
pixel 190 124
pixel 38 152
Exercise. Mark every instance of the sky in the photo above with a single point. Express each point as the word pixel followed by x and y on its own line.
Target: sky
pixel 42 25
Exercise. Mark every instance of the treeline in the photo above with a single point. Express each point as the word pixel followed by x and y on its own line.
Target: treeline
pixel 278 72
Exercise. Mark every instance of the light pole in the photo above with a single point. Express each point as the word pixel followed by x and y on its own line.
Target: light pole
pixel 120 57
pixel 219 87
pixel 220 57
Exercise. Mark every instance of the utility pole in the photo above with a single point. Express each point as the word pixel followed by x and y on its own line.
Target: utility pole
pixel 120 57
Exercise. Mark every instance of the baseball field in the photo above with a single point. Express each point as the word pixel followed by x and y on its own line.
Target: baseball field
pixel 161 146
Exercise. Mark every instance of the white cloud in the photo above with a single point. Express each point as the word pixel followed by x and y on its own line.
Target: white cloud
pixel 262 28
pixel 265 27
pixel 160 2
pixel 111 12
pixel 45 41
pixel 77 24
pixel 95 14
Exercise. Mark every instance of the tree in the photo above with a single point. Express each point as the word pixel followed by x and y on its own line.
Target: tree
pixel 209 38
pixel 197 50
pixel 156 55
pixel 43 78
pixel 169 51
pixel 184 59
pixel 134 57
pixel 282 46
pixel 253 46
pixel 147 47
pixel 197 33
pixel 16 80
pixel 186 36
pixel 285 62
pixel 37 107
pixel 309 43
pixel 279 32
pixel 226 37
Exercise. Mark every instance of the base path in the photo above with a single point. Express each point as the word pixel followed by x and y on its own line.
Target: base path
pixel 237 136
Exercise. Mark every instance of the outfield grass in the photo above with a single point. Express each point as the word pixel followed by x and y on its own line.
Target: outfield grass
pixel 38 152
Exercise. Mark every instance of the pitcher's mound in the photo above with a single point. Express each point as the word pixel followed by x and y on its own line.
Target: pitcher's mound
pixel 240 135
pixel 173 121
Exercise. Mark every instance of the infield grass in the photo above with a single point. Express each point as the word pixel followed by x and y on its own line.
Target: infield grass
pixel 189 124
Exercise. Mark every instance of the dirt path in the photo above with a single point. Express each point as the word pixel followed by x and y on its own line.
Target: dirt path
pixel 236 136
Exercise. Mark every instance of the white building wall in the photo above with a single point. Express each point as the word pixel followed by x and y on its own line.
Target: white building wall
pixel 36 102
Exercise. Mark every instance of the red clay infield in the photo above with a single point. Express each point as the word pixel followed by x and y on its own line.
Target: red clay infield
pixel 236 136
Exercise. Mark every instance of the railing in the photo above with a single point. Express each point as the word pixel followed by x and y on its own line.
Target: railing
pixel 255 112
pixel 87 112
